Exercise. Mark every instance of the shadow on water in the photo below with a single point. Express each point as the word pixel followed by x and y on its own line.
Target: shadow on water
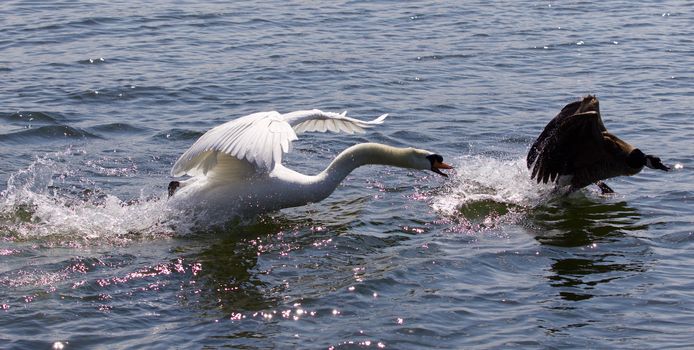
pixel 234 276
pixel 578 220
pixel 228 279
pixel 590 244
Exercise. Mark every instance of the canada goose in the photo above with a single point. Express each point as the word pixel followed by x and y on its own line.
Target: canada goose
pixel 239 164
pixel 575 149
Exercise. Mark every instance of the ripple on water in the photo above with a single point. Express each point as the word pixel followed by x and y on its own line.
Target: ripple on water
pixel 118 128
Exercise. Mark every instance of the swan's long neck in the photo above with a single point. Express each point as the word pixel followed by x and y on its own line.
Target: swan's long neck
pixel 284 188
pixel 358 155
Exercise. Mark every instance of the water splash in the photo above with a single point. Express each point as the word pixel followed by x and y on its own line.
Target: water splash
pixel 53 203
pixel 487 191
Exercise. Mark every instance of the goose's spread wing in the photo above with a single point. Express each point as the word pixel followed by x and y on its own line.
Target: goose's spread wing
pixel 559 148
pixel 569 110
pixel 587 104
pixel 258 140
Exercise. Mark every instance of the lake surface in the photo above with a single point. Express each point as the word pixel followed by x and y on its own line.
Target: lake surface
pixel 98 100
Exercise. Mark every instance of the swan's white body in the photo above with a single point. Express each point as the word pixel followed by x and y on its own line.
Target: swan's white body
pixel 236 167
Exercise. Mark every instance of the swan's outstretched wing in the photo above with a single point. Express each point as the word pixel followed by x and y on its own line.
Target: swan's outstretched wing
pixel 317 120
pixel 260 139
pixel 256 139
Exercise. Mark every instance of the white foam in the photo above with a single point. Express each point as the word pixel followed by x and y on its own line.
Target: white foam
pixel 38 205
pixel 484 179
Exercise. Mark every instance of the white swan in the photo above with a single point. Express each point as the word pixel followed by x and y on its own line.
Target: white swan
pixel 236 167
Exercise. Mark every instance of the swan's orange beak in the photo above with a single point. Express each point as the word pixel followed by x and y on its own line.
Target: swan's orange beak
pixel 436 165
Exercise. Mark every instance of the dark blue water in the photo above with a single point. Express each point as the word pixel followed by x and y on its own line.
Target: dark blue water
pixel 98 100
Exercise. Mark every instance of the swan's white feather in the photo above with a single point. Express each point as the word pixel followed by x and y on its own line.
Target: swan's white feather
pixel 260 139
pixel 317 120
pixel 229 169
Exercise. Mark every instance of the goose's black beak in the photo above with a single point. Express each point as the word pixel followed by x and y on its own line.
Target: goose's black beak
pixel 437 164
pixel 655 163
pixel 662 166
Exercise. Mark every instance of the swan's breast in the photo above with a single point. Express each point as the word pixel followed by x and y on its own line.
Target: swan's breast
pixel 264 193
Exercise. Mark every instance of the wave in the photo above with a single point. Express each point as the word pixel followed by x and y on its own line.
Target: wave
pixel 30 117
pixel 43 204
pixel 178 134
pixel 118 128
pixel 46 132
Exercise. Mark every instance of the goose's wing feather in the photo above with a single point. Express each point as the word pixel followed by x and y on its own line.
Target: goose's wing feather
pixel 576 107
pixel 317 120
pixel 567 144
pixel 260 139
pixel 551 128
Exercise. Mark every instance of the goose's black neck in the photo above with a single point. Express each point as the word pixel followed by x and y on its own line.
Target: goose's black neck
pixel 636 159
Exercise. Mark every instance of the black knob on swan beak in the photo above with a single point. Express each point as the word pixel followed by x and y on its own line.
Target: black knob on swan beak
pixel 437 163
